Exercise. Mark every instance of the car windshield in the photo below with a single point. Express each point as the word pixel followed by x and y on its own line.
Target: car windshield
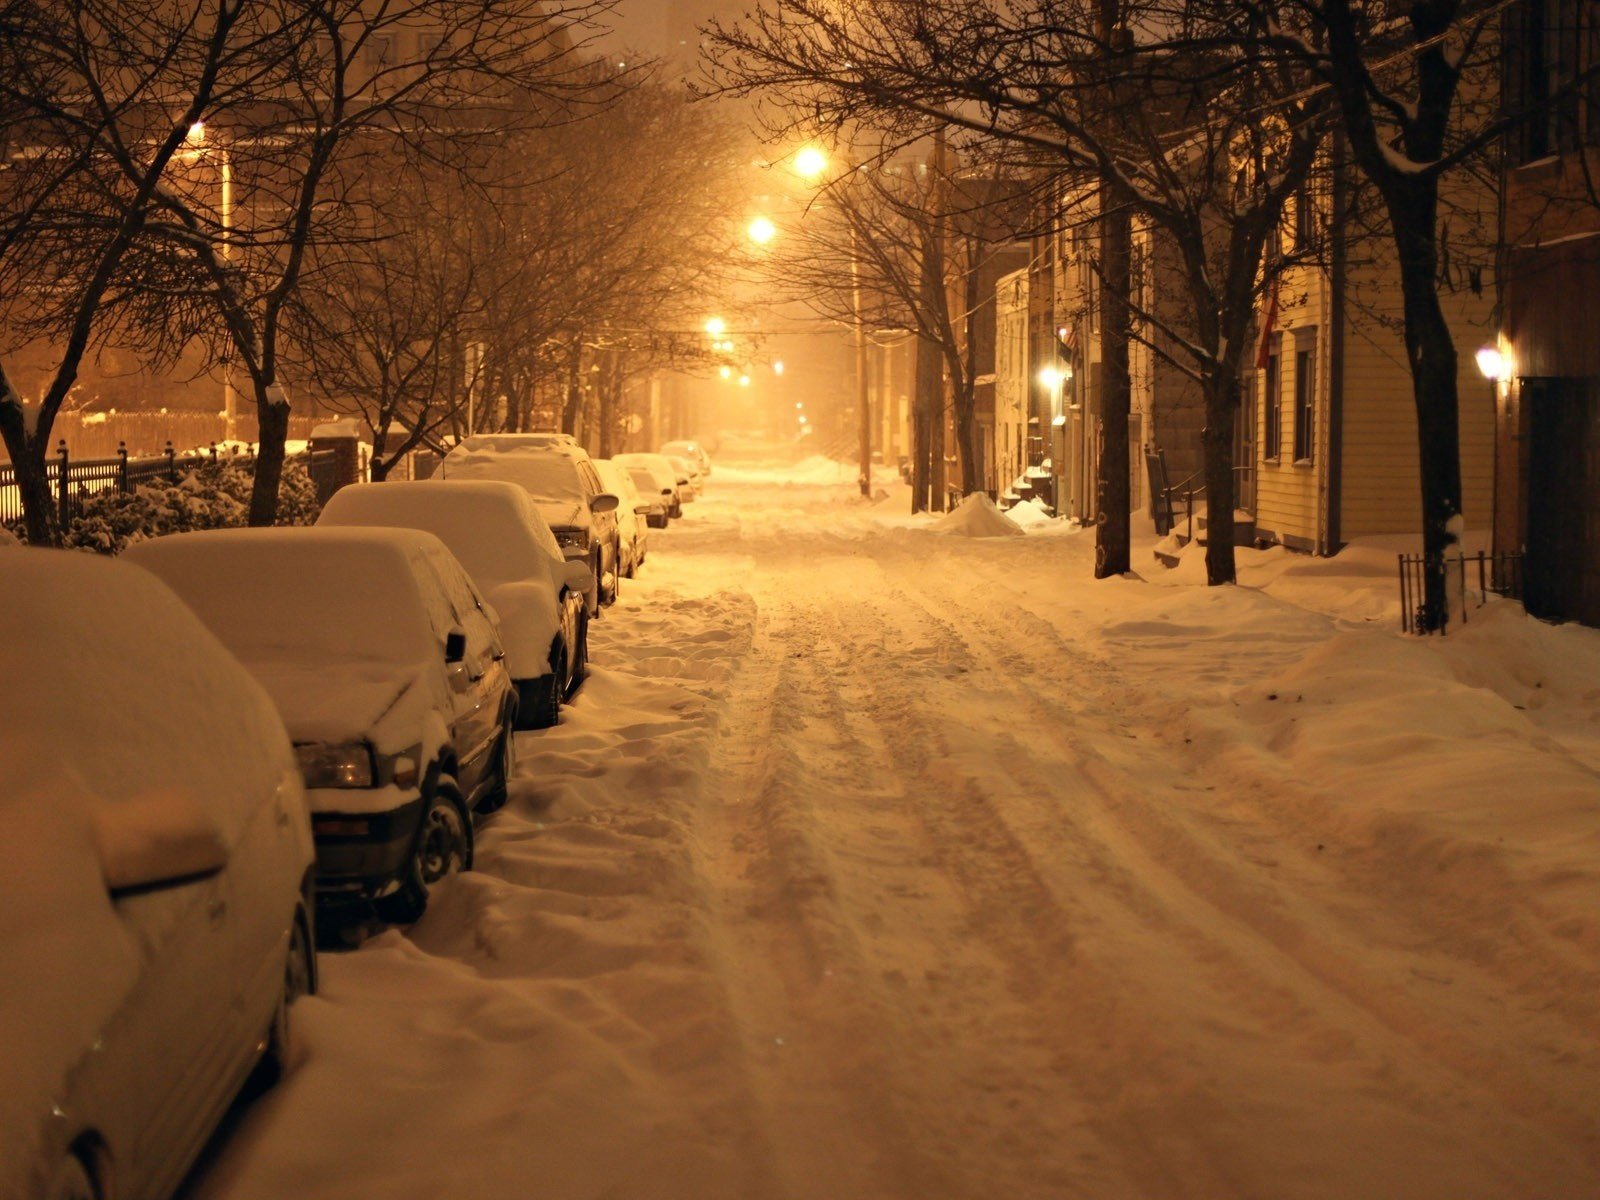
pixel 496 538
pixel 544 475
pixel 644 480
pixel 300 601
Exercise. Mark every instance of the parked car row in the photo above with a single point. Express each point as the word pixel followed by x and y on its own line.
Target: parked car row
pixel 238 733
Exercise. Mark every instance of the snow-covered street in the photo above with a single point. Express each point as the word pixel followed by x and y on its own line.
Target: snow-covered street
pixel 876 861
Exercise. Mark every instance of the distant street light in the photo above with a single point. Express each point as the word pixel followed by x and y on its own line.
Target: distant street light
pixel 716 327
pixel 726 372
pixel 762 231
pixel 810 162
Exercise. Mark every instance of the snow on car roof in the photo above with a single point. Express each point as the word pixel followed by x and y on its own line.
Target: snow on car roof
pixel 116 694
pixel 308 594
pixel 550 473
pixel 490 525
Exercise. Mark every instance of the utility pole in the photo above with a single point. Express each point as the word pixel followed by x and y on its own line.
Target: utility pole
pixel 863 396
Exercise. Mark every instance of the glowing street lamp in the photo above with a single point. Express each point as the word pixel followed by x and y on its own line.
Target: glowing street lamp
pixel 726 372
pixel 716 327
pixel 1493 362
pixel 810 162
pixel 762 231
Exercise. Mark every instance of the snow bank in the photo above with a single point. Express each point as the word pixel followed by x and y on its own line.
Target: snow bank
pixel 1029 514
pixel 977 516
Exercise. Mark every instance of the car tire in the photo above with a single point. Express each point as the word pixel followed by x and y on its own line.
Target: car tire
pixel 299 979
pixel 547 702
pixel 580 663
pixel 443 847
pixel 616 574
pixel 72 1181
pixel 497 795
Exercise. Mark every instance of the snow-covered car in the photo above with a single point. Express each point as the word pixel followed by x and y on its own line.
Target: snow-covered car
pixel 658 498
pixel 7 538
pixel 388 670
pixel 634 534
pixel 497 533
pixel 564 485
pixel 690 482
pixel 669 478
pixel 155 909
pixel 693 451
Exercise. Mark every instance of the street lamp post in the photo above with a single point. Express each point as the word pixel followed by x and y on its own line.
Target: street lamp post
pixel 197 139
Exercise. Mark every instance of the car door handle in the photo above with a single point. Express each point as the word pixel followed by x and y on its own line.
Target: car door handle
pixel 499 656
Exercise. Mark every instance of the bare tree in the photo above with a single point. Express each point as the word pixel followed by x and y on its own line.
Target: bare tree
pixel 1162 105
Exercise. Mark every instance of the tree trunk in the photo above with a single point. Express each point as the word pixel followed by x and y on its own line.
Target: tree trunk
pixel 572 406
pixel 1113 535
pixel 925 405
pixel 967 438
pixel 1432 352
pixel 1222 415
pixel 40 511
pixel 273 412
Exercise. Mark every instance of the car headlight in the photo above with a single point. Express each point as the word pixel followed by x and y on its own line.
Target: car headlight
pixel 576 538
pixel 337 766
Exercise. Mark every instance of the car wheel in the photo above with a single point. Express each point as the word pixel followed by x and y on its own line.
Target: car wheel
pixel 299 979
pixel 616 573
pixel 547 704
pixel 580 663
pixel 72 1181
pixel 443 847
pixel 500 791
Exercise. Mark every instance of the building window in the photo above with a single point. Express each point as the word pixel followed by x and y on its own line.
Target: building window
pixel 1272 406
pixel 1549 45
pixel 1305 399
pixel 1304 212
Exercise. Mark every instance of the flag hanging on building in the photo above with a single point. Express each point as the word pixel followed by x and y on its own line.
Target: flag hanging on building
pixel 1268 322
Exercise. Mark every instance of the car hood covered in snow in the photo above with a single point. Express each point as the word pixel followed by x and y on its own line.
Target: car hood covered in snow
pixel 348 702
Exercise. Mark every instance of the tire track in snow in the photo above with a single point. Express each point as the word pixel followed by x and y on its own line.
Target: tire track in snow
pixel 1289 977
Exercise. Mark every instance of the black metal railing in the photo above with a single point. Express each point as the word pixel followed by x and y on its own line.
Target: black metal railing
pixel 1494 574
pixel 71 480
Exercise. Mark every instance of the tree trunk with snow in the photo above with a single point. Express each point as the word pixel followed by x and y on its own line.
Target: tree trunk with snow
pixel 1113 534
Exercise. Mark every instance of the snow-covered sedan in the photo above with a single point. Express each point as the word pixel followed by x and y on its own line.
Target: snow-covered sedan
pixel 155 907
pixel 499 536
pixel 691 450
pixel 632 510
pixel 561 479
pixel 669 479
pixel 389 672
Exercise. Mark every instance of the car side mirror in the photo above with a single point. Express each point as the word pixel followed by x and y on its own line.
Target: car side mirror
pixel 603 503
pixel 155 840
pixel 577 576
pixel 455 646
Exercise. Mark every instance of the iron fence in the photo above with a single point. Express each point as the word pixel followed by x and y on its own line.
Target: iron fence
pixel 72 480
pixel 1495 575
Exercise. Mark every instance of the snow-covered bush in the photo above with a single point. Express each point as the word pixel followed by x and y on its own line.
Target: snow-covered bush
pixel 214 495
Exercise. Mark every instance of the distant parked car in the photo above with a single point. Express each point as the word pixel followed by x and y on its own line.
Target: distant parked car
pixel 659 498
pixel 387 669
pixel 498 535
pixel 155 908
pixel 690 481
pixel 564 485
pixel 693 451
pixel 667 473
pixel 631 513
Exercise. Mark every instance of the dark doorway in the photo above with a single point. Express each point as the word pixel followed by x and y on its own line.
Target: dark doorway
pixel 1562 567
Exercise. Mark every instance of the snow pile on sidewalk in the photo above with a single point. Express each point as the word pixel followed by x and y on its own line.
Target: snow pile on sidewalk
pixel 1028 514
pixel 977 517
